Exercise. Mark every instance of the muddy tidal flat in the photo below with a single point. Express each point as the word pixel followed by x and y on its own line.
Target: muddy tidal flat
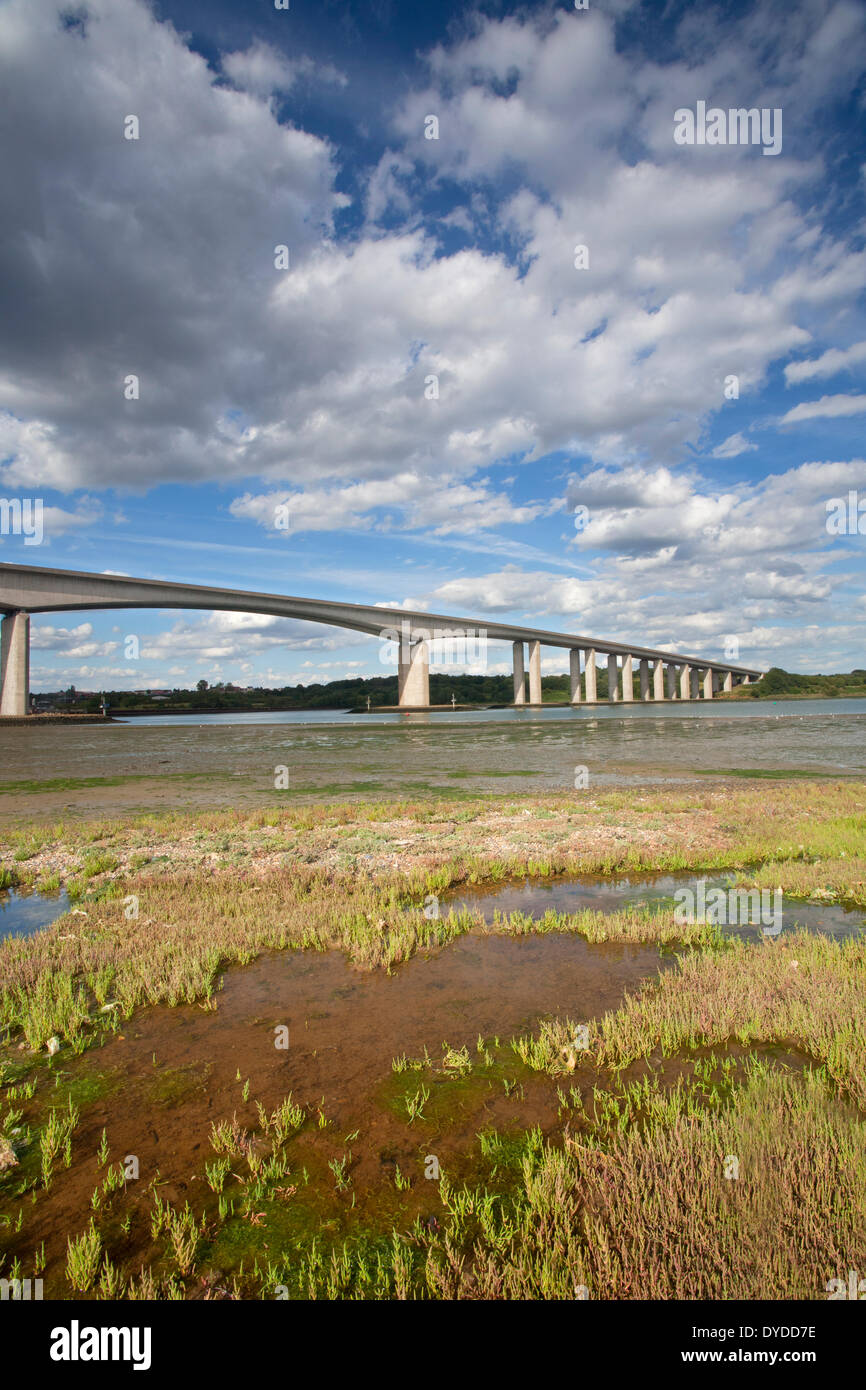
pixel 202 762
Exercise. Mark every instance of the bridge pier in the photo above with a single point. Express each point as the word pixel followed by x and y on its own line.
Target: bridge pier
pixel 574 672
pixel 685 682
pixel 644 679
pixel 672 680
pixel 659 681
pixel 413 676
pixel 612 679
pixel 535 673
pixel 709 683
pixel 627 680
pixel 590 676
pixel 519 675
pixel 15 664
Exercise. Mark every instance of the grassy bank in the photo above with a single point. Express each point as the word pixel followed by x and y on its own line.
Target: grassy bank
pixel 719 824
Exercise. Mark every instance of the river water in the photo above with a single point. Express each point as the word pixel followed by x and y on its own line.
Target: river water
pixel 699 709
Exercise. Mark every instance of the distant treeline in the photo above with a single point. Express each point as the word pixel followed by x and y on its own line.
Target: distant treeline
pixel 777 682
pixel 341 694
pixel 352 694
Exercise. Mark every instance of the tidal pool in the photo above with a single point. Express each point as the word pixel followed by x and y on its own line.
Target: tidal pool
pixel 653 891
pixel 22 913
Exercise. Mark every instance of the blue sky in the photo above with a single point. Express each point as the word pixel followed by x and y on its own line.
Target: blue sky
pixel 448 261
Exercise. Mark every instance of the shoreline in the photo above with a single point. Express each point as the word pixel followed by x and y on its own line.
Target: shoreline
pixel 120 714
pixel 28 720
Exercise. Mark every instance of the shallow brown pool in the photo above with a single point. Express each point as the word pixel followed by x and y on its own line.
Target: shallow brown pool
pixel 157 1088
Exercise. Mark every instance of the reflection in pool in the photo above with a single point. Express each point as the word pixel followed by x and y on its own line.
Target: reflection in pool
pixel 22 914
pixel 654 891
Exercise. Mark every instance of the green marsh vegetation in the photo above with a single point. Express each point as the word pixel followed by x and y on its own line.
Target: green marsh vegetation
pixel 637 1204
pixel 201 909
pixel 636 1197
pixel 755 1052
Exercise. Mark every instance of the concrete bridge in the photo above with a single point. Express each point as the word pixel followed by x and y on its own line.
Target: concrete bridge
pixel 26 589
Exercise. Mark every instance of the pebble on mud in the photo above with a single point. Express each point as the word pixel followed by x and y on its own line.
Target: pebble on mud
pixel 7 1155
pixel 52 1046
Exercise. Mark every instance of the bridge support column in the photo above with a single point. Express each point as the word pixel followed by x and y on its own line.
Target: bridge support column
pixel 695 685
pixel 659 681
pixel 574 672
pixel 535 673
pixel 413 676
pixel 672 681
pixel 729 681
pixel 589 676
pixel 612 678
pixel 709 684
pixel 685 682
pixel 644 679
pixel 15 664
pixel 628 679
pixel 519 675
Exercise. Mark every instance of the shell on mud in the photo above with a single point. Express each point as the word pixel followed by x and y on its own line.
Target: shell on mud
pixel 568 1058
pixel 52 1046
pixel 7 1155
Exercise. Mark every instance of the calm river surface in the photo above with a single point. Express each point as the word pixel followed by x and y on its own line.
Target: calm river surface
pixel 328 754
pixel 697 709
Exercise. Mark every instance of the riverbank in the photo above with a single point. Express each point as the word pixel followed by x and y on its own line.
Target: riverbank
pixel 12 721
